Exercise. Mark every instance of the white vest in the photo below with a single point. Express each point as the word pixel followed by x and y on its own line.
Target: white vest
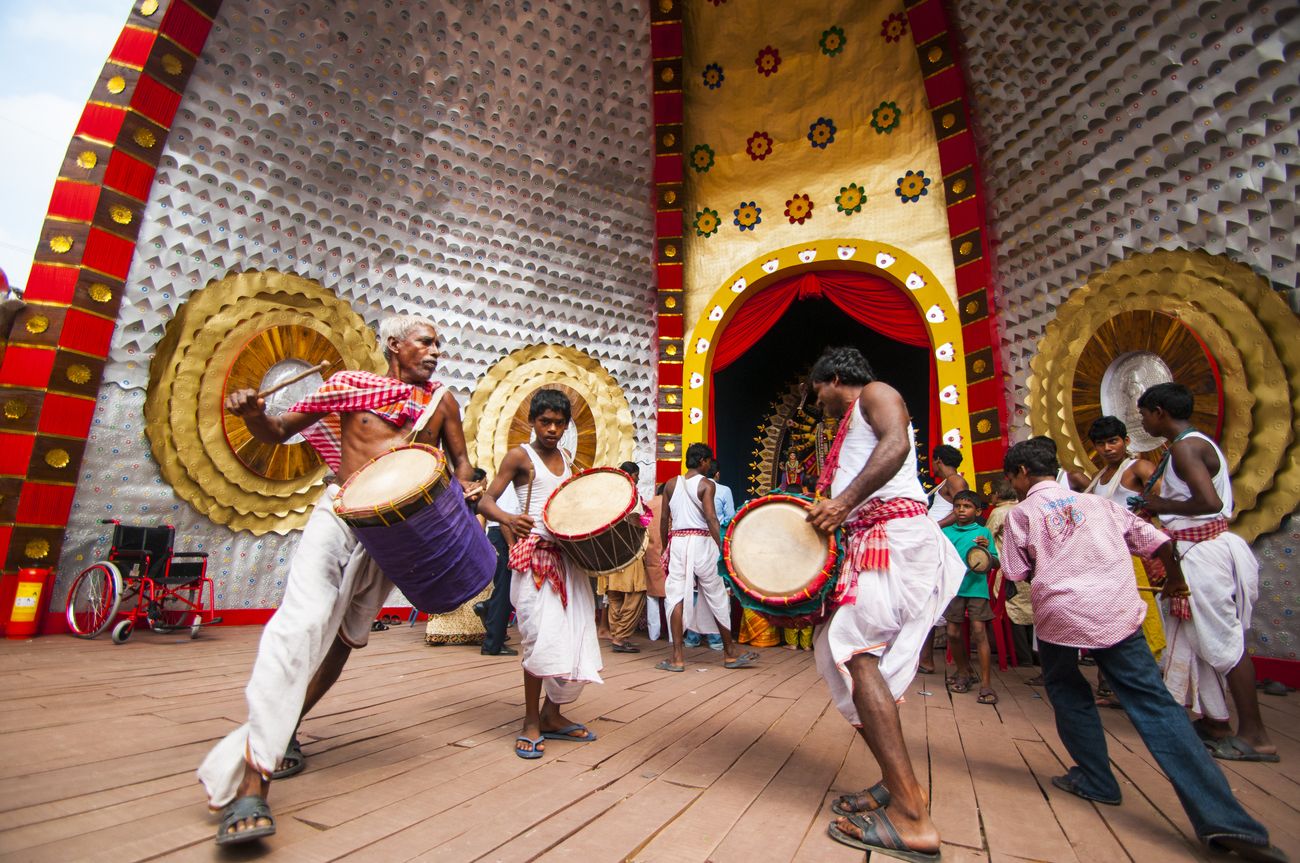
pixel 859 442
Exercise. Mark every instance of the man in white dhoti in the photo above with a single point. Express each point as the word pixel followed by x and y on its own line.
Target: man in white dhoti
pixel 1205 657
pixel 555 610
pixel 898 575
pixel 333 590
pixel 692 538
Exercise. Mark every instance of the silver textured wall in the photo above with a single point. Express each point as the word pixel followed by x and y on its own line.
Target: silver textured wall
pixel 1112 128
pixel 485 163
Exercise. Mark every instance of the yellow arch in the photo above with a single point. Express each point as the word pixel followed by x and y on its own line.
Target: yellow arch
pixel 890 262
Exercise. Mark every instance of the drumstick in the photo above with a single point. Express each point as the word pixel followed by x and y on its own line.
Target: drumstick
pixel 325 364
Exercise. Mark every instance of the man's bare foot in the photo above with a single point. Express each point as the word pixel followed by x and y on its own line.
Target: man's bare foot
pixel 531 731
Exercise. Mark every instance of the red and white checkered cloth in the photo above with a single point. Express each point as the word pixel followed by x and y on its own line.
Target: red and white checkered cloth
pixel 541 557
pixel 867 544
pixel 350 392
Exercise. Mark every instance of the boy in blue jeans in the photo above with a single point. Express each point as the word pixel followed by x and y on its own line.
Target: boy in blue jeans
pixel 972 598
pixel 1074 549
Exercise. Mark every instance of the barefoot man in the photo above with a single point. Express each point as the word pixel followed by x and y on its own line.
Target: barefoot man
pixel 334 590
pixel 898 576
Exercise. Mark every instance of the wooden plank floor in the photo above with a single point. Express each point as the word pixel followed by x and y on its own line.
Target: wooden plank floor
pixel 410 758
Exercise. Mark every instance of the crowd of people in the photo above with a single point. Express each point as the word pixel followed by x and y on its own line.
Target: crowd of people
pixel 1078 562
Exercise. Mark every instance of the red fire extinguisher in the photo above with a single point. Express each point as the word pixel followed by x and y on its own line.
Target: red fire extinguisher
pixel 31 602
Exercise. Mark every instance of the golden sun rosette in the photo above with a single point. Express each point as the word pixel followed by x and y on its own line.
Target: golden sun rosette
pixel 603 418
pixel 1250 332
pixel 219 338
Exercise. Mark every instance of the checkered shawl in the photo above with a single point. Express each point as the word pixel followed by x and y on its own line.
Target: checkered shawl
pixel 541 557
pixel 1179 606
pixel 867 544
pixel 351 392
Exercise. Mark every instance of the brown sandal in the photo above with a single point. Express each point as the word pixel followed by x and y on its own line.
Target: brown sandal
pixel 987 696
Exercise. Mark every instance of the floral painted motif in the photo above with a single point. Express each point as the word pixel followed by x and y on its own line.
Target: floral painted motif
pixel 713 76
pixel 768 61
pixel 799 209
pixel 894 27
pixel 707 222
pixel 822 132
pixel 886 117
pixel 759 146
pixel 832 41
pixel 748 215
pixel 912 186
pixel 702 158
pixel 850 199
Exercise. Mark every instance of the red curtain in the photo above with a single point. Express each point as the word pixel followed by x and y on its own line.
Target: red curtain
pixel 877 304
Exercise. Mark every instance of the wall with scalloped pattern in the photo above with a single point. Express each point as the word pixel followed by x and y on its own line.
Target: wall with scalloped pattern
pixel 485 163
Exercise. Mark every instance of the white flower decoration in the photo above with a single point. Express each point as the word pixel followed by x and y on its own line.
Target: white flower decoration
pixel 697 380
pixel 935 315
pixel 846 252
pixel 807 256
pixel 884 260
pixel 771 266
pixel 701 345
pixel 952 437
pixel 915 282
pixel 715 314
pixel 944 352
pixel 696 416
pixel 738 286
pixel 949 395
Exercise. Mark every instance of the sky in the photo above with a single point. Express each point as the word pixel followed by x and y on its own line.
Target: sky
pixel 51 53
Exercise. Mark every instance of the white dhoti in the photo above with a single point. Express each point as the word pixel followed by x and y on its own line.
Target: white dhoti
pixel 1223 577
pixel 559 643
pixel 692 566
pixel 333 589
pixel 894 613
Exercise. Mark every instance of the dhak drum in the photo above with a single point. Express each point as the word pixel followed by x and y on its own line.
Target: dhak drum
pixel 978 559
pixel 778 564
pixel 595 516
pixel 409 512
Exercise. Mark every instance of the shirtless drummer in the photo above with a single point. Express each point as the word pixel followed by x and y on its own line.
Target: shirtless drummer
pixel 334 590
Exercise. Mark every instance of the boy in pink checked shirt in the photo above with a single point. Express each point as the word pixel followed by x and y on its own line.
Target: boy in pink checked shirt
pixel 1073 549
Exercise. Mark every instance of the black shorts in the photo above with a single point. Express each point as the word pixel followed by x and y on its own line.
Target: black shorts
pixel 978 607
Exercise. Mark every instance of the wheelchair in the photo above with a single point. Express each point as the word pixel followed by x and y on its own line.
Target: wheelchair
pixel 142 578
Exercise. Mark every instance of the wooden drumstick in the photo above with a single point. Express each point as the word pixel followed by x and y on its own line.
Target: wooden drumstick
pixel 324 364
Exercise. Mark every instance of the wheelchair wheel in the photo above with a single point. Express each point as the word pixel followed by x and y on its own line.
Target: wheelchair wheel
pixel 122 631
pixel 93 599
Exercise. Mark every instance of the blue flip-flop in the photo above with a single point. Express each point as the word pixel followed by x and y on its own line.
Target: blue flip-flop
pixel 532 753
pixel 566 733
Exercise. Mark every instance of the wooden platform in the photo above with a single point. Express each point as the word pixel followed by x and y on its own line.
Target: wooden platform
pixel 410 758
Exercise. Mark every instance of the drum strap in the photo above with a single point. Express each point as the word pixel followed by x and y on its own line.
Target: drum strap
pixel 868 544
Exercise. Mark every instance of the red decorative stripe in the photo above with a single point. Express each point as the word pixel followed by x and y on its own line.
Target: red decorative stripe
pixel 52 284
pixel 670 422
pixel 671 326
pixel 102 122
pixel 65 415
pixel 186 27
pixel 129 175
pixel 86 333
pixel 16 451
pixel 39 503
pixel 133 46
pixel 666 44
pixel 72 200
pixel 155 101
pixel 108 253
pixel 26 367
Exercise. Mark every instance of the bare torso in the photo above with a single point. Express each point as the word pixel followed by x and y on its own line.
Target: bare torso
pixel 367 436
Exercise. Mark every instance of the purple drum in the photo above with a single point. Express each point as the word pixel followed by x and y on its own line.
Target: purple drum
pixel 409 512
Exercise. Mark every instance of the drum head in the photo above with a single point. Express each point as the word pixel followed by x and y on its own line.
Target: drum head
pixel 589 503
pixel 391 479
pixel 978 559
pixel 775 551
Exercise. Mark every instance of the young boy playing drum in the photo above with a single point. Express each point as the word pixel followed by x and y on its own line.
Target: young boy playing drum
pixel 1073 549
pixel 554 606
pixel 334 589
pixel 972 599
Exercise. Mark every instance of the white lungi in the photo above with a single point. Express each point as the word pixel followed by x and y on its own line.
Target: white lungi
pixel 333 588
pixel 693 565
pixel 1223 577
pixel 559 643
pixel 894 612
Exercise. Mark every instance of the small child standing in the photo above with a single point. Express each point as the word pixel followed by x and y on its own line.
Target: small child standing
pixel 1075 548
pixel 972 598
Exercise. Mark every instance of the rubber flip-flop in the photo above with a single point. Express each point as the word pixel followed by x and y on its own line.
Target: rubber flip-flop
pixel 1236 749
pixel 879 834
pixel 739 662
pixel 532 753
pixel 247 808
pixel 877 793
pixel 566 733
pixel 987 696
pixel 665 665
pixel 293 762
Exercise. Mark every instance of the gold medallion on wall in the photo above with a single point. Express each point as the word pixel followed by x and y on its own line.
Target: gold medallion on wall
pixel 247 331
pixel 1199 320
pixel 496 417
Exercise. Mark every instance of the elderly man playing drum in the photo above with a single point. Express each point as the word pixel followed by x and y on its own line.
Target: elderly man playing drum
pixel 334 589
pixel 899 574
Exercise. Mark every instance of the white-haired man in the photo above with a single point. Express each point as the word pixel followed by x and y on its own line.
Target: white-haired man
pixel 334 589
